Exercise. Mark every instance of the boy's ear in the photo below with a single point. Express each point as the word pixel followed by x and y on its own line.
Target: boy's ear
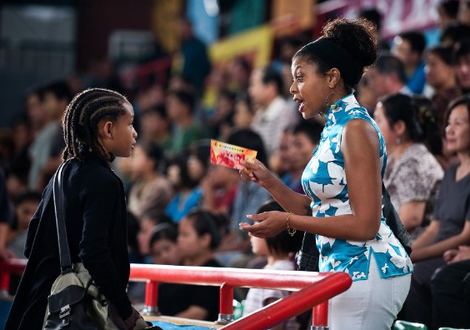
pixel 105 129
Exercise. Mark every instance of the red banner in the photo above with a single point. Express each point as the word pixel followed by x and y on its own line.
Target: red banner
pixel 397 15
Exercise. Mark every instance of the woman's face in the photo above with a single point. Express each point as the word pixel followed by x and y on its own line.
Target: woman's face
pixel 437 71
pixel 388 133
pixel 309 88
pixel 165 252
pixel 457 130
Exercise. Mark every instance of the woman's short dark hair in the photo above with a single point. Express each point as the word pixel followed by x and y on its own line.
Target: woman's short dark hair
pixel 165 230
pixel 281 243
pixel 204 222
pixel 444 53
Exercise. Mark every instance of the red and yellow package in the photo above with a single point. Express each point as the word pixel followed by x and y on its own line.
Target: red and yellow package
pixel 230 155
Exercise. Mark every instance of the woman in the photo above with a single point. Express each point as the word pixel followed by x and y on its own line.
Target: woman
pixel 441 76
pixel 450 227
pixel 342 182
pixel 412 173
pixel 151 191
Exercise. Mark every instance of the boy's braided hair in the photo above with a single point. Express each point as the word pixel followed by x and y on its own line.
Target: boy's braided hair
pixel 81 119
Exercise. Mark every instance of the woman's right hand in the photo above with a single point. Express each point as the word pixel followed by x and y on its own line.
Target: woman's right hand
pixel 257 173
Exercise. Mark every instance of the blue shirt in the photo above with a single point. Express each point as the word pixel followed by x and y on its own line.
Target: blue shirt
pixel 181 205
pixel 324 181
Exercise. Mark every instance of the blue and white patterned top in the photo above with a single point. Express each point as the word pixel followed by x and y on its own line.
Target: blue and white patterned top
pixel 324 180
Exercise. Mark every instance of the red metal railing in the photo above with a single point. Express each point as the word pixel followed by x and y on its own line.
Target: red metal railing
pixel 313 289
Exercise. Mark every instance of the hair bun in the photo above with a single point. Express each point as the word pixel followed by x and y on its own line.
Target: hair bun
pixel 358 37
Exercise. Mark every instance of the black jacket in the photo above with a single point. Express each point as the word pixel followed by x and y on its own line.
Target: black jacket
pixel 96 221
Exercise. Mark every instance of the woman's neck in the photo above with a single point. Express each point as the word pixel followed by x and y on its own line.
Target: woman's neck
pixel 464 166
pixel 398 150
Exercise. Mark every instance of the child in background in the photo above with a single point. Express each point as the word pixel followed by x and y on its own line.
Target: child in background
pixel 278 250
pixel 25 206
pixel 151 191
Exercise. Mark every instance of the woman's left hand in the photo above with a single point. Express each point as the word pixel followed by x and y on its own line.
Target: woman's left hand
pixel 266 224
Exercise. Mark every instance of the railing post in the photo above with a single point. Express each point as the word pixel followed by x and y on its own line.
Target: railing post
pixel 151 299
pixel 225 304
pixel 320 317
pixel 4 281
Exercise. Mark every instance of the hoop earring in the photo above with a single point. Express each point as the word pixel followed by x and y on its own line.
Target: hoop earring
pixel 327 103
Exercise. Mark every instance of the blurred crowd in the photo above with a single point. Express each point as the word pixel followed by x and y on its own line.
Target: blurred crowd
pixel 185 211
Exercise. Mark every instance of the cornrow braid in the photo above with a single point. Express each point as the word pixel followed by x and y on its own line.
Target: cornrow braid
pixel 82 116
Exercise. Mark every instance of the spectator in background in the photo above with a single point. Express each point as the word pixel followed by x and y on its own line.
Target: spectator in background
pixel 387 76
pixel 441 76
pixel 462 62
pixel 306 136
pixel 198 237
pixel 24 207
pixel 163 245
pixel 193 57
pixel 266 87
pixel 451 290
pixel 464 12
pixel 181 105
pixel 412 174
pixel 188 192
pixel 454 33
pixel 239 73
pixel 434 141
pixel 221 121
pixel 374 16
pixel 249 197
pixel 244 112
pixel 447 11
pixel 5 217
pixel 450 227
pixel 281 161
pixel 47 148
pixel 146 228
pixel 278 250
pixel 35 110
pixel 155 127
pixel 151 192
pixel 409 47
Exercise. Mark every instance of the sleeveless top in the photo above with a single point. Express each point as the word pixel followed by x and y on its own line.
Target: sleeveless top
pixel 324 181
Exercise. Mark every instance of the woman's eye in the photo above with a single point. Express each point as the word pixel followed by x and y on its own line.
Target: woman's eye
pixel 298 78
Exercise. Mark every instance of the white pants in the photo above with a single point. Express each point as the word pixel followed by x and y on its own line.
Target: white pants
pixel 372 304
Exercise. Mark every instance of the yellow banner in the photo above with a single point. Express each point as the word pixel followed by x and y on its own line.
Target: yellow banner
pixel 256 43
